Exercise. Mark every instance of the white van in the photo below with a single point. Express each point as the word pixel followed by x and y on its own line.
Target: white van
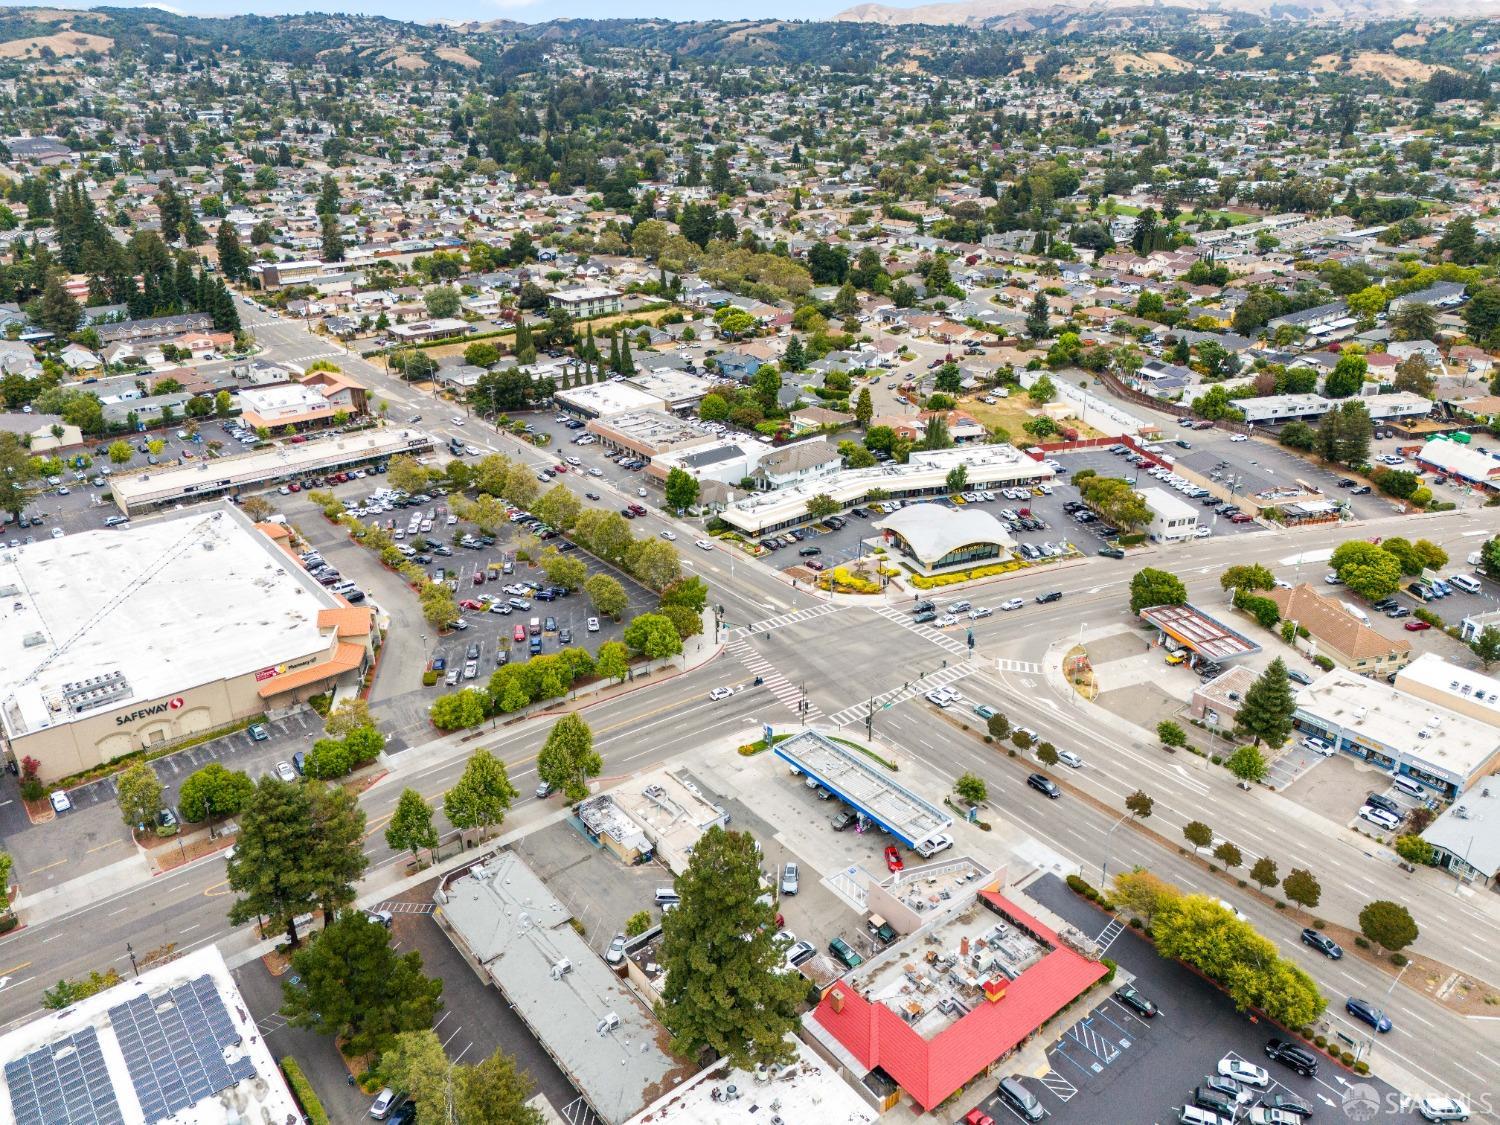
pixel 1465 583
pixel 1192 1115
pixel 1409 787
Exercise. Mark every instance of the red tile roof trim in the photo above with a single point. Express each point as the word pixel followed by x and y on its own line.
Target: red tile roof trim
pixel 931 1070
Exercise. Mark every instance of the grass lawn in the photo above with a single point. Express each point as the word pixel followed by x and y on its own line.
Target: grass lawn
pixel 1013 413
pixel 1236 218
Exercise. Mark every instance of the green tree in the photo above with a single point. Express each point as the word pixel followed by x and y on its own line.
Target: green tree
pixel 1301 887
pixel 55 310
pixel 652 636
pixel 1264 871
pixel 18 474
pixel 1171 734
pixel 1486 646
pixel 411 828
pixel 958 478
pixel 351 984
pixel 1266 712
pixel 458 710
pixel 559 508
pixel 213 792
pixel 564 570
pixel 120 452
pixel 494 1092
pixel 1250 576
pixel 724 994
pixel 1229 855
pixel 656 564
pixel 1489 558
pixel 971 789
pixel 1198 834
pixel 441 301
pixel 298 849
pixel 416 1063
pixel 681 489
pixel 1414 849
pixel 568 758
pixel 482 796
pixel 864 407
pixel 614 661
pixel 138 791
pixel 1151 587
pixel 348 717
pixel 1388 925
pixel 1140 805
pixel 1047 754
pixel 1347 376
pixel 607 595
pixel 998 726
pixel 1247 763
pixel 1037 317
pixel 1367 569
pixel 822 506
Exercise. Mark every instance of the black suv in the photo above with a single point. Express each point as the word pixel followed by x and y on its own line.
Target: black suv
pixel 1294 1055
pixel 1322 943
pixel 1050 596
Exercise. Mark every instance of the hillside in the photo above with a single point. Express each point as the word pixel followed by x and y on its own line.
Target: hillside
pixel 990 13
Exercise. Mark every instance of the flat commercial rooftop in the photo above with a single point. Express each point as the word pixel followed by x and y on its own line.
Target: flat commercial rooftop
pixel 153 610
pixel 602 1037
pixel 806 1089
pixel 1200 632
pixel 175 1044
pixel 863 785
pixel 181 482
pixel 602 400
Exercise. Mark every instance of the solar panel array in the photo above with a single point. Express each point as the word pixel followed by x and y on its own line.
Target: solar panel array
pixel 174 1047
pixel 63 1083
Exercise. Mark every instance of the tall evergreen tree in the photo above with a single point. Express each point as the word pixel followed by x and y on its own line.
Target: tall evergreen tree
pixel 1267 710
pixel 233 261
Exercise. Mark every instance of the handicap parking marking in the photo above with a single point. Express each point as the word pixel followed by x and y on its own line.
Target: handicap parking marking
pixel 1089 1069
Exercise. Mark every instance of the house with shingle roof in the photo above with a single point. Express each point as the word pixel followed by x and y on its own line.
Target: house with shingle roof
pixel 1339 634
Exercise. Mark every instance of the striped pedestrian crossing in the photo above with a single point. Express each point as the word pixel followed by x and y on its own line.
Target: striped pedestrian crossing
pixel 1030 667
pixel 782 620
pixel 941 678
pixel 926 632
pixel 788 693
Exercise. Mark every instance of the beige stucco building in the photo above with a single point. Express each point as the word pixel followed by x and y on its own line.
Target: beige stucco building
pixel 117 640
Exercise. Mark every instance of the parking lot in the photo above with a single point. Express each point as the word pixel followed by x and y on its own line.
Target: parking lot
pixel 1109 1064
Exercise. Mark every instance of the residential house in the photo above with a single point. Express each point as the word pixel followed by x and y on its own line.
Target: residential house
pixel 1337 633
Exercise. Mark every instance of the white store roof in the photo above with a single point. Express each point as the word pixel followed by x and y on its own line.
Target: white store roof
pixel 932 530
pixel 166 606
pixel 1468 461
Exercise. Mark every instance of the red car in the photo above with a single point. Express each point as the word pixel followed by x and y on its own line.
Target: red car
pixel 813 564
pixel 1240 517
pixel 472 605
pixel 978 1117
pixel 479 578
pixel 560 468
pixel 1415 626
pixel 893 859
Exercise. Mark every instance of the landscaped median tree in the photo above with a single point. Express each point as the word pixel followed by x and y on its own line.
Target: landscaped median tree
pixel 998 726
pixel 1152 587
pixel 1198 834
pixel 1301 887
pixel 1229 855
pixel 1140 805
pixel 724 994
pixel 568 758
pixel 1388 925
pixel 1264 872
pixel 482 795
pixel 352 985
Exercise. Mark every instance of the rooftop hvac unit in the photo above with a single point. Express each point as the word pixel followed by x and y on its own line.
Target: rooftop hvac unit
pixel 607 1024
pixel 561 968
pixel 1462 812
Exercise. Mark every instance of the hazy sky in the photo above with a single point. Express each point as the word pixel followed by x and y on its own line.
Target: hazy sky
pixel 527 11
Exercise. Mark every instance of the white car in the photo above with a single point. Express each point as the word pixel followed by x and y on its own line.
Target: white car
pixel 947 619
pixel 720 693
pixel 285 772
pixel 704 545
pixel 937 698
pixel 1379 818
pixel 1442 1109
pixel 593 625
pixel 980 611
pixel 60 801
pixel 1317 746
pixel 669 536
pixel 1014 603
pixel 1070 759
pixel 1244 1072
pixel 1203 532
pixel 456 420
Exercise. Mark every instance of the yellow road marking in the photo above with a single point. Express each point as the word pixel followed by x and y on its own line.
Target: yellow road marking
pixel 15 969
pixel 49 867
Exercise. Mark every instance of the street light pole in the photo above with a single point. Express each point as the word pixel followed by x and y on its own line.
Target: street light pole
pixel 1104 867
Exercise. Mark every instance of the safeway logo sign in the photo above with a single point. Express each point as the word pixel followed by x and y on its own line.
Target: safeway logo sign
pixel 175 704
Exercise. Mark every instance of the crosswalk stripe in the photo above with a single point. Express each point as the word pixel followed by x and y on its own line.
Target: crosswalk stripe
pixel 1002 664
pixel 786 692
pixel 784 619
pixel 941 678
pixel 927 633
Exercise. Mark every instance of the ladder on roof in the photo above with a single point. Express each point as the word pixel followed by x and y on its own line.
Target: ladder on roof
pixel 124 594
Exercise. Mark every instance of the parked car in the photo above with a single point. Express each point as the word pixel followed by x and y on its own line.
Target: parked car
pixel 61 803
pixel 789 879
pixel 893 860
pixel 1294 1055
pixel 616 952
pixel 843 954
pixel 1127 995
pixel 1245 1073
